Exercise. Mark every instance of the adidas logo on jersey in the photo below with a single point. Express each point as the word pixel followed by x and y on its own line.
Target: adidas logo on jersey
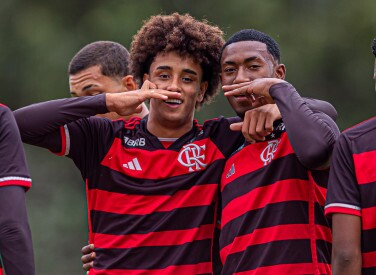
pixel 133 165
pixel 231 171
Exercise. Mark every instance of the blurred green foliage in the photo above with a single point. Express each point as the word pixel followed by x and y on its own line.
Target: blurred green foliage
pixel 325 46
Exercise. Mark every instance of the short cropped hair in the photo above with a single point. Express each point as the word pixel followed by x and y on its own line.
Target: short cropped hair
pixel 254 35
pixel 187 37
pixel 112 57
pixel 374 46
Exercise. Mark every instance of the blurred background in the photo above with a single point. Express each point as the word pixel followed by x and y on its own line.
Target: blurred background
pixel 324 44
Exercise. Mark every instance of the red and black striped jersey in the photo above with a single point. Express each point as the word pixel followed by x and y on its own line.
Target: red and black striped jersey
pixel 13 167
pixel 352 185
pixel 152 210
pixel 273 211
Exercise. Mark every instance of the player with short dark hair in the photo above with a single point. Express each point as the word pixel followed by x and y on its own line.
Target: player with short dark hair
pixel 351 200
pixel 152 183
pixel 99 67
pixel 273 191
pixel 16 248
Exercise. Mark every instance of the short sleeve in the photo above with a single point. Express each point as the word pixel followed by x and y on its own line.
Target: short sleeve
pixel 13 167
pixel 343 192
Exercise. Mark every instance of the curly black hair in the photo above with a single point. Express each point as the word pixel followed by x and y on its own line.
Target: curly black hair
pixel 112 57
pixel 184 35
pixel 254 35
pixel 374 46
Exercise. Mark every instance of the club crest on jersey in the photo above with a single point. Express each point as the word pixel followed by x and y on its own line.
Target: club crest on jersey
pixel 267 155
pixel 193 157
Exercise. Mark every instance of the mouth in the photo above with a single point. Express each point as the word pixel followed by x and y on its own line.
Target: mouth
pixel 173 101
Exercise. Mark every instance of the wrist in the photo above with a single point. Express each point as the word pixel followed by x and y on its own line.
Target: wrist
pixel 110 102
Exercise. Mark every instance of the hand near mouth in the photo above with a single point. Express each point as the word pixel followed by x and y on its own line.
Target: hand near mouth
pixel 127 103
pixel 253 89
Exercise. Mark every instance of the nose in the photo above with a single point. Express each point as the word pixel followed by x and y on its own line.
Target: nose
pixel 174 86
pixel 241 76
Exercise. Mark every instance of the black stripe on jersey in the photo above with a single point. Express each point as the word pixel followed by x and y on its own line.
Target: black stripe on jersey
pixel 321 177
pixel 368 191
pixel 324 251
pixel 369 271
pixel 107 179
pixel 320 216
pixel 369 240
pixel 252 220
pixel 154 257
pixel 279 252
pixel 183 218
pixel 287 167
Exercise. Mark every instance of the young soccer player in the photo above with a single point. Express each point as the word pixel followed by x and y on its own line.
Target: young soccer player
pixel 16 247
pixel 351 200
pixel 99 67
pixel 273 191
pixel 152 183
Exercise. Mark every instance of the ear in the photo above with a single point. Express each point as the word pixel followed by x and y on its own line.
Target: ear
pixel 146 77
pixel 129 83
pixel 280 71
pixel 203 87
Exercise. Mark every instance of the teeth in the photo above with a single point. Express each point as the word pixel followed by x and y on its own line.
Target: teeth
pixel 175 101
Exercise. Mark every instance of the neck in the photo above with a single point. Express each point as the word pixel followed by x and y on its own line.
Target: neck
pixel 168 129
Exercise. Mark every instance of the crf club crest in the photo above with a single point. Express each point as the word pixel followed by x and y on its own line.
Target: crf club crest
pixel 193 157
pixel 267 154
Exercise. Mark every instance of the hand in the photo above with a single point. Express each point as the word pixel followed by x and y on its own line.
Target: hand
pixel 258 123
pixel 127 103
pixel 88 257
pixel 255 89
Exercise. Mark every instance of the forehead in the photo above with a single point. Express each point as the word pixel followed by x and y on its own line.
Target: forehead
pixel 91 73
pixel 175 62
pixel 239 51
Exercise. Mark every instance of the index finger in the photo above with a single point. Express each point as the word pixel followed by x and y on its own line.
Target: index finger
pixel 227 88
pixel 161 94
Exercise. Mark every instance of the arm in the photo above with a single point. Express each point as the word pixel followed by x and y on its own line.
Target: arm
pixel 312 133
pixel 15 237
pixel 15 242
pixel 346 253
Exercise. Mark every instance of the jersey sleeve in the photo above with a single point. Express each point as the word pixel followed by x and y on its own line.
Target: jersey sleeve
pixel 343 193
pixel 66 127
pixel 312 133
pixel 13 167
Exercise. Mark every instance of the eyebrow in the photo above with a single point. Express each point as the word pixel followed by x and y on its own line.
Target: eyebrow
pixel 189 71
pixel 249 59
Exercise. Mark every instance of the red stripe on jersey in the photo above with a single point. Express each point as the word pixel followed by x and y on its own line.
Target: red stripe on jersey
pixel 23 183
pixel 201 268
pixel 142 205
pixel 369 259
pixel 63 142
pixel 341 210
pixel 139 163
pixel 365 167
pixel 1 270
pixel 164 238
pixel 370 221
pixel 254 152
pixel 280 191
pixel 275 233
pixel 304 268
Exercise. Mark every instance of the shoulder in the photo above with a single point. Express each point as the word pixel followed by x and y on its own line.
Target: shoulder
pixel 365 128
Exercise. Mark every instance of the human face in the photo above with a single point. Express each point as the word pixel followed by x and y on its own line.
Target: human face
pixel 246 61
pixel 91 81
pixel 171 72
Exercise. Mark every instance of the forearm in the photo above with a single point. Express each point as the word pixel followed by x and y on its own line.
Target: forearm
pixel 38 120
pixel 312 134
pixel 15 238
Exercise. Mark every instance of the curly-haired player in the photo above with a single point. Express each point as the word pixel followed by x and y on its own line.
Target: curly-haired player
pixel 185 36
pixel 152 183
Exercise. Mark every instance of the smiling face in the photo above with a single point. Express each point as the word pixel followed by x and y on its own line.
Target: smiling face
pixel 246 61
pixel 172 72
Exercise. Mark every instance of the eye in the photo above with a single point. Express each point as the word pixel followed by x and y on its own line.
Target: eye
pixel 92 93
pixel 187 79
pixel 254 67
pixel 229 70
pixel 164 76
